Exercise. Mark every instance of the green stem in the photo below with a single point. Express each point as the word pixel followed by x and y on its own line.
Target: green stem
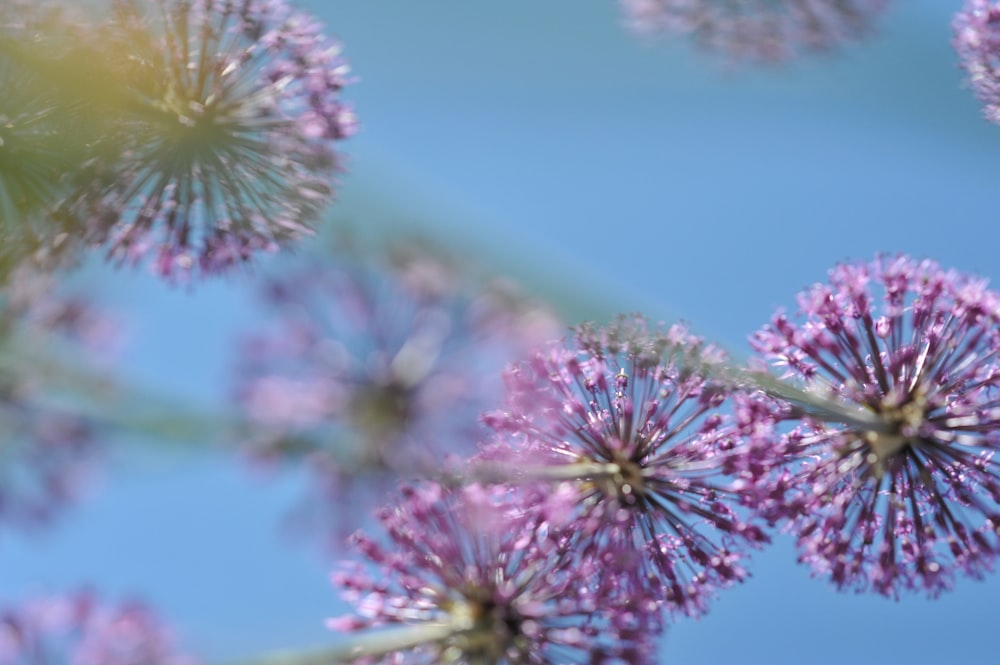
pixel 377 643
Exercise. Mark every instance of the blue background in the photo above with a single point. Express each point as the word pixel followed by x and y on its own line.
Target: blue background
pixel 620 175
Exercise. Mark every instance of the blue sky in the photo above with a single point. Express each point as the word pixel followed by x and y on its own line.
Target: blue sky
pixel 622 175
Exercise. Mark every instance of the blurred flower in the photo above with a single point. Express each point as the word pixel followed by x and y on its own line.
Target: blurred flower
pixel 231 112
pixel 473 575
pixel 44 132
pixel 46 450
pixel 378 369
pixel 890 477
pixel 977 41
pixel 77 629
pixel 758 30
pixel 626 427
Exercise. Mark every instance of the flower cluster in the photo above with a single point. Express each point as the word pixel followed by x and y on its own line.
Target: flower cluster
pixel 631 454
pixel 762 30
pixel 602 486
pixel 889 474
pixel 378 368
pixel 79 629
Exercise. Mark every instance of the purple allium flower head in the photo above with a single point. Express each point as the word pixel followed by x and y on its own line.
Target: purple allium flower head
pixel 379 367
pixel 890 478
pixel 977 42
pixel 78 629
pixel 760 30
pixel 46 451
pixel 622 419
pixel 475 575
pixel 233 108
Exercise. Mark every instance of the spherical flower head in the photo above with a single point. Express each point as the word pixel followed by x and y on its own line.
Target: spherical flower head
pixel 977 42
pixel 48 452
pixel 623 419
pixel 232 109
pixel 890 478
pixel 758 30
pixel 79 629
pixel 377 368
pixel 474 575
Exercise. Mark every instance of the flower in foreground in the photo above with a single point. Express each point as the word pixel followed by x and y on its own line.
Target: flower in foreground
pixel 377 367
pixel 231 109
pixel 79 628
pixel 43 135
pixel 890 477
pixel 473 575
pixel 628 430
pixel 760 30
pixel 977 42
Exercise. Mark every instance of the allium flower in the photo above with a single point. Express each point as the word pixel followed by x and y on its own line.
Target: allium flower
pixel 227 145
pixel 378 369
pixel 46 452
pixel 977 42
pixel 474 576
pixel 623 421
pixel 763 30
pixel 77 629
pixel 890 477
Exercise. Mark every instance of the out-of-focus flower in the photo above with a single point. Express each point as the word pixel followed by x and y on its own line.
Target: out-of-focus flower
pixel 630 433
pixel 889 475
pixel 46 450
pixel 78 629
pixel 758 30
pixel 379 368
pixel 977 42
pixel 44 132
pixel 226 144
pixel 474 575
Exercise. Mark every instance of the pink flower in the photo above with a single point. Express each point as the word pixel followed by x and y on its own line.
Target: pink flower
pixel 889 475
pixel 376 370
